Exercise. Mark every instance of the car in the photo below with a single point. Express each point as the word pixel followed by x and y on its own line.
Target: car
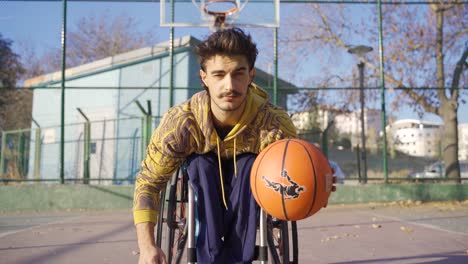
pixel 437 170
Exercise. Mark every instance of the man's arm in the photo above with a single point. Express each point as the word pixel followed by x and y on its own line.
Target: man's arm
pixel 149 253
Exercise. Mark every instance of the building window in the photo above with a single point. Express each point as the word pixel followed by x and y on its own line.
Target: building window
pixel 93 148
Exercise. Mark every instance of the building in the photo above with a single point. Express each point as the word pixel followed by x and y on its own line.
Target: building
pixel 344 122
pixel 415 137
pixel 113 94
pixel 350 124
pixel 319 118
pixel 463 142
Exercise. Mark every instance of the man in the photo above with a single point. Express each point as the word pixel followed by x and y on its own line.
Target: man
pixel 218 132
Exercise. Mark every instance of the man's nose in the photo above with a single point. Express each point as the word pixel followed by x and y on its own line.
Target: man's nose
pixel 228 82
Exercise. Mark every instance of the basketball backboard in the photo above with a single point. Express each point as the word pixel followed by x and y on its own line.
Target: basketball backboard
pixel 203 13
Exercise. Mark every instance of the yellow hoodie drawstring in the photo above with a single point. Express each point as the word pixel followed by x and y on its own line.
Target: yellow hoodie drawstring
pixel 235 162
pixel 221 173
pixel 221 169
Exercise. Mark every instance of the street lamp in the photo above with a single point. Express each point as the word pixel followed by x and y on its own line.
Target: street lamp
pixel 360 51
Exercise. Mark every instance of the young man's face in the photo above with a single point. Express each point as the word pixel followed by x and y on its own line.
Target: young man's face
pixel 227 79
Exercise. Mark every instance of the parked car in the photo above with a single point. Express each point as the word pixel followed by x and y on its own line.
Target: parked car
pixel 339 174
pixel 437 170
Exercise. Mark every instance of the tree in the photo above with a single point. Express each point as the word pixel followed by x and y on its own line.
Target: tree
pixel 93 38
pixel 15 110
pixel 425 55
pixel 10 65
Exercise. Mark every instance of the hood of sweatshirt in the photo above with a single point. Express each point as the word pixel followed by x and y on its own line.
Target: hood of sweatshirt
pixel 200 107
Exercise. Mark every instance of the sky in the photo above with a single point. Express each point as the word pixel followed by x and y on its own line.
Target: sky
pixel 38 25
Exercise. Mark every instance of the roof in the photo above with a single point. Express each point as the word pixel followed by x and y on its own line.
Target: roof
pixel 113 61
pixel 416 121
pixel 132 57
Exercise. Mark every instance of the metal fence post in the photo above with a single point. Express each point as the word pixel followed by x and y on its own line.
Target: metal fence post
pixel 2 157
pixel 37 154
pixel 62 104
pixel 146 126
pixel 37 150
pixel 86 148
pixel 149 119
pixel 20 162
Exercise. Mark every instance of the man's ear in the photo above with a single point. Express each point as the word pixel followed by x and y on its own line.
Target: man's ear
pixel 252 75
pixel 203 76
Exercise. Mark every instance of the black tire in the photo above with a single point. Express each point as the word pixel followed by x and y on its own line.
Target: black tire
pixel 173 228
pixel 282 241
pixel 161 220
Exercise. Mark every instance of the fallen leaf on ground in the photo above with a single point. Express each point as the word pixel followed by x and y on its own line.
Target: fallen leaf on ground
pixel 406 229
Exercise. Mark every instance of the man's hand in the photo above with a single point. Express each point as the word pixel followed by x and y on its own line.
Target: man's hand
pixel 149 253
pixel 152 255
pixel 333 186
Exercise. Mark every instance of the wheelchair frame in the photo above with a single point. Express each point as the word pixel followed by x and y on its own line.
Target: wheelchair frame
pixel 277 239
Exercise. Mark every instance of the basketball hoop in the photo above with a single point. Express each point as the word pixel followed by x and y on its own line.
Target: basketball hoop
pixel 216 14
pixel 211 7
pixel 220 9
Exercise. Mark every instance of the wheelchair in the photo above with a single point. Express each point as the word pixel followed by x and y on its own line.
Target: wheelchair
pixel 277 240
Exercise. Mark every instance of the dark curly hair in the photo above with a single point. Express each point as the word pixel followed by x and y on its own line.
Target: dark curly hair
pixel 231 41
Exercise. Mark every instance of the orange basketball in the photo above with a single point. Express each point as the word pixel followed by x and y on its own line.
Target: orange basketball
pixel 291 179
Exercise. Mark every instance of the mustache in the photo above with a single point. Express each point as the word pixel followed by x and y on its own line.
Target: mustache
pixel 232 93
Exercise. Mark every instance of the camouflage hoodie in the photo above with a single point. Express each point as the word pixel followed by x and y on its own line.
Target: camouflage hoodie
pixel 188 128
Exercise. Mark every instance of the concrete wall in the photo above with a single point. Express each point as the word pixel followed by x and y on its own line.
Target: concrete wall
pixel 58 197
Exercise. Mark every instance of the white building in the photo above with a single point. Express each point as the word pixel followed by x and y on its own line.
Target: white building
pixel 348 123
pixel 463 142
pixel 308 120
pixel 415 137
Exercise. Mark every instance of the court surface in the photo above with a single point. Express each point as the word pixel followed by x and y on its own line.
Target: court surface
pixel 371 233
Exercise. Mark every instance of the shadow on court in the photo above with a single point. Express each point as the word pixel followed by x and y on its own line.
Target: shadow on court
pixel 361 234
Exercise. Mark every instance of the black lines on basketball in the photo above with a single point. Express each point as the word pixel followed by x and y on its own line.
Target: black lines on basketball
pixel 283 203
pixel 287 179
pixel 315 179
pixel 261 156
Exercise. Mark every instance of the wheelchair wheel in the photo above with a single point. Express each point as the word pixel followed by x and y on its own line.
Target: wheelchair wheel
pixel 282 241
pixel 172 231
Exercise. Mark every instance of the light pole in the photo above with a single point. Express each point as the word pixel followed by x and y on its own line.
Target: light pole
pixel 360 51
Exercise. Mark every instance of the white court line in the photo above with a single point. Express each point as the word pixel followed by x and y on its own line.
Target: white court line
pixel 415 223
pixel 2 235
